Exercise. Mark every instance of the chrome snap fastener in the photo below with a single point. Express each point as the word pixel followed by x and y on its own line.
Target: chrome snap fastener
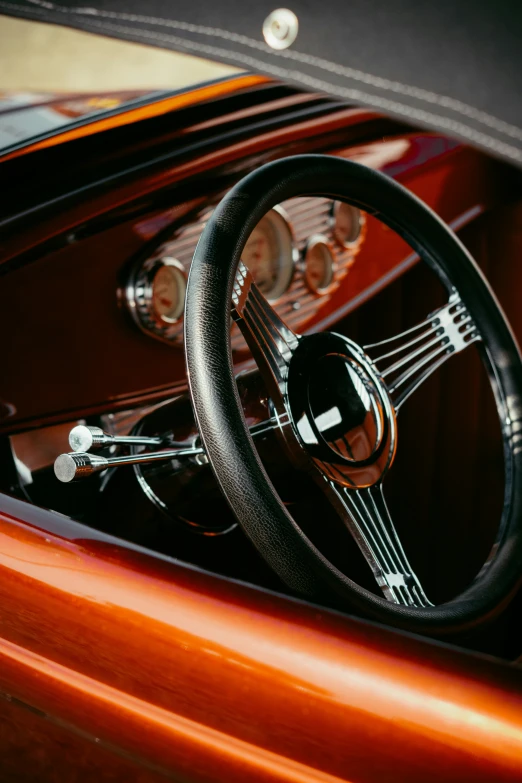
pixel 280 28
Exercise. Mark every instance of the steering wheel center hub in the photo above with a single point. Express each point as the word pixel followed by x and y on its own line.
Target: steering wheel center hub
pixel 340 410
pixel 344 409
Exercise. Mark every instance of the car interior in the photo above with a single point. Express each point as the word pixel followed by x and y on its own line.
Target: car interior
pixel 96 415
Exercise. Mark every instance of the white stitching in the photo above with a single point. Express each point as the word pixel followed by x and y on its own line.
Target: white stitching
pixel 316 84
pixel 385 84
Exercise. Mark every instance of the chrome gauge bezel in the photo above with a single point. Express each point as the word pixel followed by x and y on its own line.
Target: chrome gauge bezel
pixel 334 210
pixel 293 230
pixel 313 242
pixel 288 252
pixel 139 297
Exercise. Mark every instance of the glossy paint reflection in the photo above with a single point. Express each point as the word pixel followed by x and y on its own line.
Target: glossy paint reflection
pixel 213 680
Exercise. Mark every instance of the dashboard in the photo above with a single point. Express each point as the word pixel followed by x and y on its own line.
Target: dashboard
pixel 99 280
pixel 298 253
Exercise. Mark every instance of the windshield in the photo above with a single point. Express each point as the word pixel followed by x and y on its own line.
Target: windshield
pixel 25 116
pixel 52 77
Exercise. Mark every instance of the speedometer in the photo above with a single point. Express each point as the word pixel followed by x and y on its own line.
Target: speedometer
pixel 270 254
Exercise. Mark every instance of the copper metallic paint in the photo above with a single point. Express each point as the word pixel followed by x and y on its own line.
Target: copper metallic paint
pixel 208 680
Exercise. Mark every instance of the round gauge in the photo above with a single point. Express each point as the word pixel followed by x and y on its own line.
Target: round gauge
pixel 168 291
pixel 319 264
pixel 269 254
pixel 346 223
pixel 155 296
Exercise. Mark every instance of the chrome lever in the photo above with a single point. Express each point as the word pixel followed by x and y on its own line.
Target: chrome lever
pixel 79 465
pixel 83 438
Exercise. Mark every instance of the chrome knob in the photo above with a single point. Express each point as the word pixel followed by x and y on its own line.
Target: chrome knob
pixel 83 438
pixel 68 467
pixel 79 465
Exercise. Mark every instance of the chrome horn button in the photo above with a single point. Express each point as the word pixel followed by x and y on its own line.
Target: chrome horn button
pixel 340 410
pixel 344 407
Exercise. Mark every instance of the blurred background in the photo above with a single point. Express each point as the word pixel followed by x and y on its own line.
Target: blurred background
pixel 39 57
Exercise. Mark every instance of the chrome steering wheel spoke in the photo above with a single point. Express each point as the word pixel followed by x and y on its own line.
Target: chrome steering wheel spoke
pixel 403 362
pixel 270 340
pixel 406 360
pixel 366 515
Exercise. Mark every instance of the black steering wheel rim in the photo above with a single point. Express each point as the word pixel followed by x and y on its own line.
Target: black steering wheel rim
pixel 218 410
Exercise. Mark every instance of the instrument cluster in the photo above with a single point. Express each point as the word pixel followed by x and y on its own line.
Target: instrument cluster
pixel 298 254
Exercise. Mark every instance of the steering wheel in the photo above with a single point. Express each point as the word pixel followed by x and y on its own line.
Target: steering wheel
pixel 336 403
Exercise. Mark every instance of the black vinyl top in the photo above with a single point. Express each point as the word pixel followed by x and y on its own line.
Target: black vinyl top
pixel 449 65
